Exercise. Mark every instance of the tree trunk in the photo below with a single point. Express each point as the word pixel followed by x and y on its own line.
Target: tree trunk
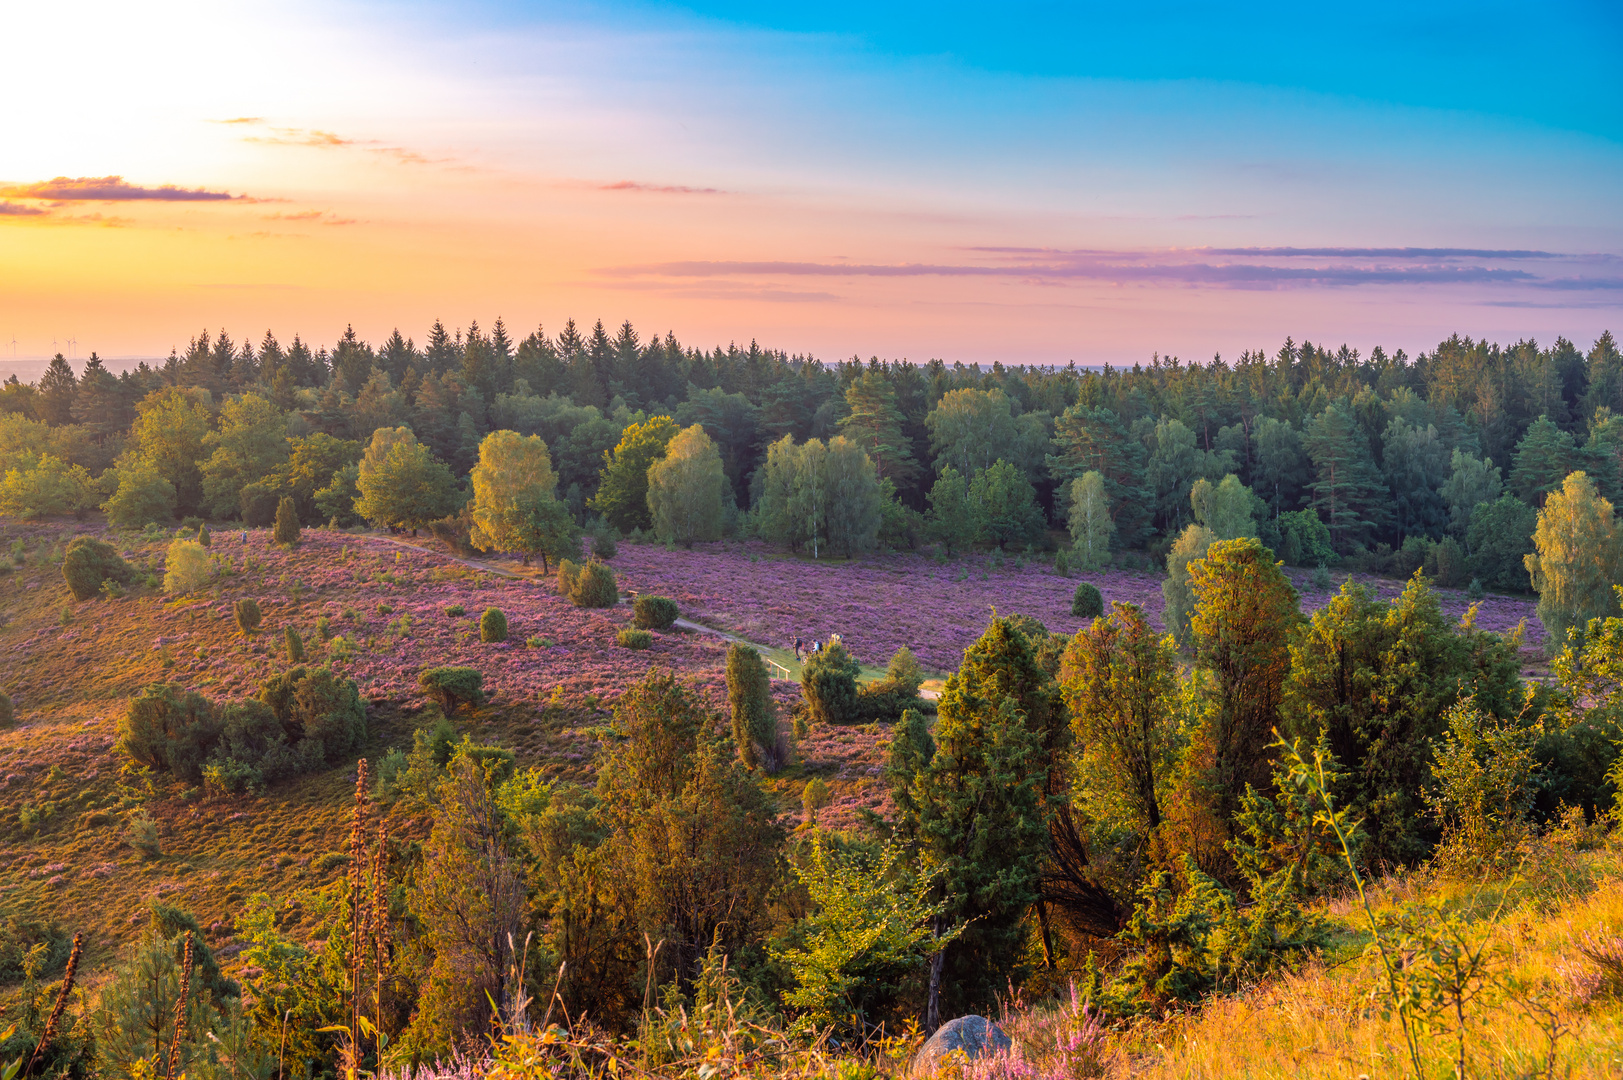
pixel 932 1009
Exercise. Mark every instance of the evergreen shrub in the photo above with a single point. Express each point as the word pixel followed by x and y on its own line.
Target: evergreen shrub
pixel 204 537
pixel 287 522
pixel 634 639
pixel 589 586
pixel 654 612
pixel 1088 602
pixel 828 680
pixel 295 646
pixel 8 711
pixel 492 625
pixel 248 616
pixel 88 563
pixel 317 706
pixel 755 715
pixel 604 547
pixel 452 686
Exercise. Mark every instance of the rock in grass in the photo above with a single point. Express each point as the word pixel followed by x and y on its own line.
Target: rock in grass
pixel 976 1036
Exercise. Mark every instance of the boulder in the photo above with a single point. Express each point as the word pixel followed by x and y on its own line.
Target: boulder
pixel 976 1036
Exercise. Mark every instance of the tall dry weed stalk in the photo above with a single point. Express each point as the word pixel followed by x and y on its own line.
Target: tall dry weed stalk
pixel 61 1002
pixel 369 945
pixel 180 1010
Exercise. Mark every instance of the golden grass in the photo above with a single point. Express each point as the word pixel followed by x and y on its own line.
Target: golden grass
pixel 1326 1022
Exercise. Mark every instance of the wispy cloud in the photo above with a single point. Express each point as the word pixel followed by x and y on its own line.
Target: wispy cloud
pixel 316 217
pixel 661 189
pixel 1236 268
pixel 64 189
pixel 242 120
pixel 301 137
pixel 11 209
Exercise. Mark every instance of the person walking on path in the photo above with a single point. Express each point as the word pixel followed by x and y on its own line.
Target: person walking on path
pixel 797 648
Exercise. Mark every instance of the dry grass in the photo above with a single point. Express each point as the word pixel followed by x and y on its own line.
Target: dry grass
pixel 1326 1021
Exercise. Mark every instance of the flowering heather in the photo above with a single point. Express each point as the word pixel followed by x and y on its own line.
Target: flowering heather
pixel 879 603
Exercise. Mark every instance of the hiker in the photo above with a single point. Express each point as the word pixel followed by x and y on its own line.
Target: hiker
pixel 797 648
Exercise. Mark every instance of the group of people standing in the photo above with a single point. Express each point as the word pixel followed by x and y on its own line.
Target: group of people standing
pixel 804 653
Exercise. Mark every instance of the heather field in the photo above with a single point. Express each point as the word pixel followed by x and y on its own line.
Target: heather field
pixel 879 603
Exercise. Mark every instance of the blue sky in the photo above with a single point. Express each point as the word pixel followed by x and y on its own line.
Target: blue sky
pixel 1024 182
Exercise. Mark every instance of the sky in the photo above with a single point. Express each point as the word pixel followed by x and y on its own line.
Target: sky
pixel 1024 182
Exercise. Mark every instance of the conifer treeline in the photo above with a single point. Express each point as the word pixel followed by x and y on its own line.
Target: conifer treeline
pixel 1372 443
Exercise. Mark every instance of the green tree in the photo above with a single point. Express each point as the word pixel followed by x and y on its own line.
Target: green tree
pixel 1280 466
pixel 1121 686
pixel 58 388
pixel 951 519
pixel 250 445
pixel 47 486
pixel 1575 559
pixel 1377 679
pixel 695 852
pixel 515 505
pixel 1470 481
pixel 1090 439
pixel 1416 462
pixel 755 715
pixel 1348 493
pixel 828 680
pixel 688 490
pixel 971 800
pixel 1175 463
pixel 170 428
pixel 853 514
pixel 970 429
pixel 402 485
pixel 1245 611
pixel 1222 512
pixel 868 931
pixel 1090 520
pixel 468 898
pixel 1006 506
pixel 286 532
pixel 875 424
pixel 1544 458
pixel 622 490
pixel 1499 538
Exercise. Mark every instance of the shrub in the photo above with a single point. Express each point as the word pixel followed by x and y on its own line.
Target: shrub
pixel 653 612
pixel 456 610
pixel 829 682
pixel 904 670
pixel 204 537
pixel 259 502
pixel 814 797
pixel 1062 563
pixel 452 686
pixel 591 585
pixel 248 617
pixel 493 625
pixel 253 750
pixel 1321 577
pixel 187 568
pixel 295 646
pixel 88 563
pixel 604 547
pixel 634 639
pixel 169 729
pixel 143 836
pixel 190 524
pixel 8 711
pixel 749 695
pixel 287 522
pixel 319 706
pixel 1475 591
pixel 324 629
pixel 1088 602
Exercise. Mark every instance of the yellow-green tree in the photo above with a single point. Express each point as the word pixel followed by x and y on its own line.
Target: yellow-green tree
pixel 1091 523
pixel 515 499
pixel 1223 511
pixel 46 486
pixel 402 484
pixel 169 431
pixel 1245 611
pixel 622 493
pixel 1575 558
pixel 250 445
pixel 687 489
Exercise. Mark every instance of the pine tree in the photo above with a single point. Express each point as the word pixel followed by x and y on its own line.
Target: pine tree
pixel 58 389
pixel 1543 459
pixel 1006 506
pixel 1471 481
pixel 1348 492
pixel 875 424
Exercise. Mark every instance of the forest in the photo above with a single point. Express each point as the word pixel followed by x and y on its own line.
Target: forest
pixel 1101 837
